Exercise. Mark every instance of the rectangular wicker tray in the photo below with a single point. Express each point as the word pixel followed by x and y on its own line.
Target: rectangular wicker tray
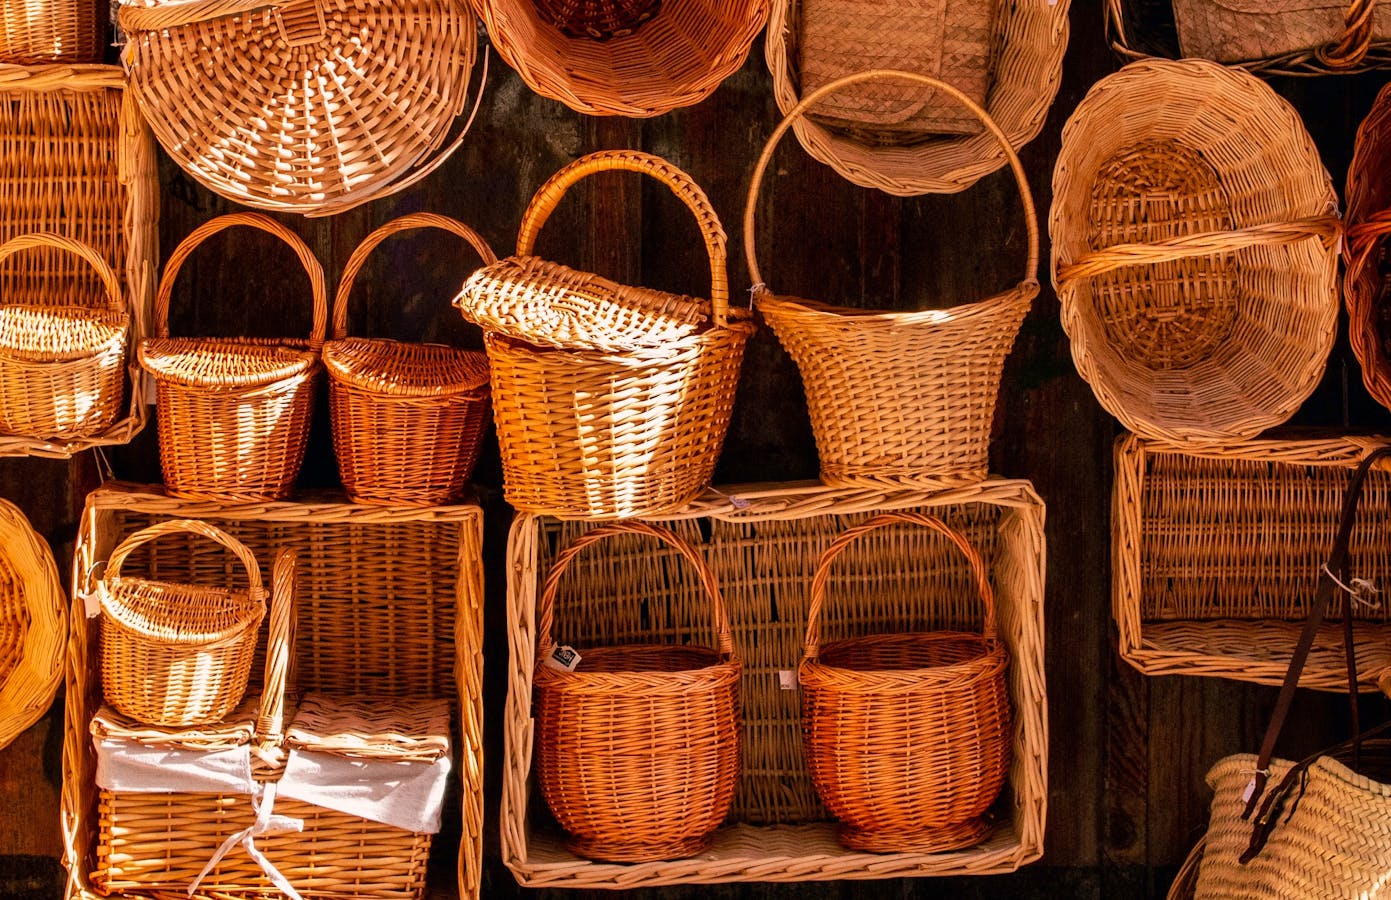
pixel 764 552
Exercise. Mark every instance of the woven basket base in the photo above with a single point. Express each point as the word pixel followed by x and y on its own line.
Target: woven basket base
pixel 928 840
pixel 631 852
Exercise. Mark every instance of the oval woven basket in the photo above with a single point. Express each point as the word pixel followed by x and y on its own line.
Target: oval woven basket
pixel 312 106
pixel 1025 69
pixel 907 736
pixel 923 384
pixel 407 418
pixel 1365 282
pixel 1194 250
pixel 675 56
pixel 35 32
pixel 637 748
pixel 33 624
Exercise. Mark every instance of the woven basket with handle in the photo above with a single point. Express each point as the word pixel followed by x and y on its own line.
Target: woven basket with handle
pixel 407 418
pixel 34 32
pixel 638 746
pixel 1366 287
pixel 907 735
pixel 922 384
pixel 233 412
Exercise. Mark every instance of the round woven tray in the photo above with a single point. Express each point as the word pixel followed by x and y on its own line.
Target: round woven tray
pixel 33 624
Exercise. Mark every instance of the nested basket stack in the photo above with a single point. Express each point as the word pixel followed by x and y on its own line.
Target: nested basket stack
pixel 408 418
pixel 33 622
pixel 52 31
pixel 1365 282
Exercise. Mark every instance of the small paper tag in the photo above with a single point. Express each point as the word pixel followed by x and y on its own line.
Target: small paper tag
pixel 91 601
pixel 738 502
pixel 151 389
pixel 1250 789
pixel 787 679
pixel 564 658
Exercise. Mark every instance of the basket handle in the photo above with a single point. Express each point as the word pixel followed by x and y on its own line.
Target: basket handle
pixel 850 535
pixel 189 526
pixel 396 226
pixel 546 606
pixel 681 184
pixel 115 299
pixel 255 220
pixel 1349 50
pixel 270 724
pixel 1363 238
pixel 1025 194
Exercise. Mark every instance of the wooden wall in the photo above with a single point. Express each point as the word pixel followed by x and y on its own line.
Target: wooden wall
pixel 1128 753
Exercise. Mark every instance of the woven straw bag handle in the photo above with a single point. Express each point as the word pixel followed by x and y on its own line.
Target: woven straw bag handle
pixel 1026 196
pixel 115 298
pixel 850 535
pixel 546 606
pixel 255 220
pixel 396 226
pixel 681 184
pixel 270 723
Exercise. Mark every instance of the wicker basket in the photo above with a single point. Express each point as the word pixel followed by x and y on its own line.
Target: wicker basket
pixel 637 749
pixel 923 384
pixel 177 654
pixel 62 368
pixel 1369 222
pixel 597 19
pixel 408 419
pixel 311 106
pixel 1195 253
pixel 610 401
pixel 1025 68
pixel 52 31
pixel 33 622
pixel 233 412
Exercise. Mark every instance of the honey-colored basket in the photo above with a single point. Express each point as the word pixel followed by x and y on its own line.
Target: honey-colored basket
pixel 62 367
pixel 907 735
pixel 649 59
pixel 1194 250
pixel 922 384
pixel 177 654
pixel 1365 287
pixel 610 401
pixel 33 624
pixel 35 32
pixel 637 747
pixel 234 412
pixel 407 418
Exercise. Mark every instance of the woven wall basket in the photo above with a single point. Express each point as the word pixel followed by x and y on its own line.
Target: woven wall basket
pixel 923 384
pixel 1366 288
pixel 650 59
pixel 34 32
pixel 1029 37
pixel 313 106
pixel 33 622
pixel 1195 250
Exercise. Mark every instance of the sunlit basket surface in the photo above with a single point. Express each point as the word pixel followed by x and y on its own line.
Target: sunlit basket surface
pixel 33 32
pixel 33 622
pixel 1365 282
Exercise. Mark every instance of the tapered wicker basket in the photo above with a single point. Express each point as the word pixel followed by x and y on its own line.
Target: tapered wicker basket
pixel 922 384
pixel 233 412
pixel 52 31
pixel 1365 284
pixel 637 746
pixel 408 419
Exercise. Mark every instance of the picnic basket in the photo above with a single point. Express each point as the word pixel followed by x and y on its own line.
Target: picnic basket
pixel 637 745
pixel 1368 223
pixel 33 620
pixel 610 401
pixel 407 418
pixel 1195 255
pixel 923 384
pixel 52 31
pixel 233 412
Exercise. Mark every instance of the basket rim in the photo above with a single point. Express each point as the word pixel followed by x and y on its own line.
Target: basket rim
pixel 109 331
pixel 181 360
pixel 993 657
pixel 1022 293
pixel 113 593
pixel 367 371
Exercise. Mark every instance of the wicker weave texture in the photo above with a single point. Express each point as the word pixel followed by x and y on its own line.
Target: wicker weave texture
pixel 631 590
pixel 52 31
pixel 1365 281
pixel 33 623
pixel 1027 41
pixel 1217 552
pixel 1194 250
pixel 597 19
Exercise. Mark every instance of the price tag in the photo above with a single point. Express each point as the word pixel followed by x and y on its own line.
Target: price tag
pixel 787 679
pixel 565 658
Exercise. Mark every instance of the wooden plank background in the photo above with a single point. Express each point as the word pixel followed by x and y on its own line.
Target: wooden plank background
pixel 1128 753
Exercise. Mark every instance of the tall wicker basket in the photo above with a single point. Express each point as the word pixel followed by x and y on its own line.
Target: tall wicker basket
pixel 1365 285
pixel 922 384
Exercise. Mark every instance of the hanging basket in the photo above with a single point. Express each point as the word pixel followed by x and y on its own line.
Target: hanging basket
pixel 35 32
pixel 1365 283
pixel 637 747
pixel 922 384
pixel 408 419
pixel 233 412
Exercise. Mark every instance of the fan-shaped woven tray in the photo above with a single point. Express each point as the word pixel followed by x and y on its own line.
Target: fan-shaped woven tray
pixel 33 624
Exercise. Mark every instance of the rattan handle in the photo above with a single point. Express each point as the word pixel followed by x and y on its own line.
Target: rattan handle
pixel 1349 50
pixel 83 251
pixel 681 184
pixel 270 724
pixel 1026 196
pixel 255 220
pixel 396 226
pixel 1363 238
pixel 189 526
pixel 546 605
pixel 850 535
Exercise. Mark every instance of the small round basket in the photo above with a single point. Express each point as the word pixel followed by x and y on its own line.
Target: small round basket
pixel 638 747
pixel 177 654
pixel 33 624
pixel 907 736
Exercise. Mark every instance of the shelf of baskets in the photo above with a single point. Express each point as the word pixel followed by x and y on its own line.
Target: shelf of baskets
pixel 762 544
pixel 389 604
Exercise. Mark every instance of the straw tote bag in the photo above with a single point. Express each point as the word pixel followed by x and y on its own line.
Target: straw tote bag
pixel 1336 33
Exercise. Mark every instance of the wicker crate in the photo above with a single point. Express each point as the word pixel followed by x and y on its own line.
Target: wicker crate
pixel 763 549
pixel 390 603
pixel 1216 554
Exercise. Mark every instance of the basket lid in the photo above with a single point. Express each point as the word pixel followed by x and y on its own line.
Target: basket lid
pixel 395 728
pixel 224 362
pixel 59 333
pixel 235 730
pixel 404 369
pixel 33 624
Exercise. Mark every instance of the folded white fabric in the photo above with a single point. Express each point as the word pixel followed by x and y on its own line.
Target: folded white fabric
pixel 126 765
pixel 405 795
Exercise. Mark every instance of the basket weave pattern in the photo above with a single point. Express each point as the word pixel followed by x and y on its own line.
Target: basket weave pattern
pixel 32 624
pixel 1365 281
pixel 53 31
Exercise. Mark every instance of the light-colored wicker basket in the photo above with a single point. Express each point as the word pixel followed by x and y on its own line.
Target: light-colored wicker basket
pixel 1027 41
pixel 923 384
pixel 1368 224
pixel 763 546
pixel 610 401
pixel 408 419
pixel 676 57
pixel 234 412
pixel 33 623
pixel 1195 251
pixel 35 32
pixel 312 106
